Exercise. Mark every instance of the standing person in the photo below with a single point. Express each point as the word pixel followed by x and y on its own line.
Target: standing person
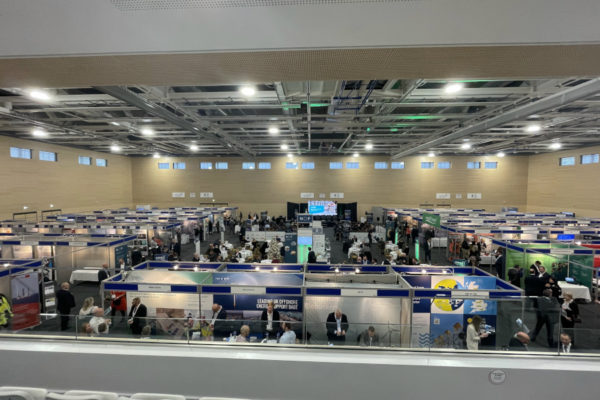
pixel 121 267
pixel 514 275
pixel 210 227
pixel 312 257
pixel 415 234
pixel 118 302
pixel 500 267
pixel 65 301
pixel 547 315
pixel 464 248
pixel 370 236
pixel 569 313
pixel 137 316
pixel 103 273
pixel 218 326
pixel 427 250
pixel 337 326
pixel 534 286
pixel 536 265
pixel 270 320
pixel 473 335
pixel 543 274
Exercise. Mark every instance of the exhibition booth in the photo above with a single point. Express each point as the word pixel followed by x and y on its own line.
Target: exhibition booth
pixel 76 258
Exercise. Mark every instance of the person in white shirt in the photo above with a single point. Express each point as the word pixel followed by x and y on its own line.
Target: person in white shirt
pixel 99 319
pixel 289 336
pixel 87 307
pixel 473 335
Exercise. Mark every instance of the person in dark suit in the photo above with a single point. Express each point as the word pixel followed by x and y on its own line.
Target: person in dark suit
pixel 312 257
pixel 543 274
pixel 499 265
pixel 536 265
pixel 368 338
pixel 337 326
pixel 218 326
pixel 533 284
pixel 514 275
pixel 270 320
pixel 65 301
pixel 547 315
pixel 566 344
pixel 103 273
pixel 137 316
pixel 136 256
pixel 519 342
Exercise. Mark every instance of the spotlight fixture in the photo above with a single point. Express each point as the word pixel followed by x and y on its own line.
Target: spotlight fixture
pixel 147 132
pixel 355 155
pixel 431 154
pixel 38 94
pixel 115 148
pixel 176 266
pixel 248 91
pixel 194 147
pixel 284 147
pixel 156 155
pixel 257 268
pixel 195 269
pixel 115 123
pixel 533 128
pixel 465 146
pixel 290 155
pixel 453 87
pixel 555 146
pixel 500 154
pixel 369 146
pixel 39 133
pixel 273 130
pixel 337 269
pixel 357 270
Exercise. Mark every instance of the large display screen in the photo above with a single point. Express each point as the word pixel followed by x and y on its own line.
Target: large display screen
pixel 322 208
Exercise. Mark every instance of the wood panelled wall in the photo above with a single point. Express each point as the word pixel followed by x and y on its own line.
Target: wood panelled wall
pixel 256 190
pixel 535 183
pixel 570 188
pixel 65 184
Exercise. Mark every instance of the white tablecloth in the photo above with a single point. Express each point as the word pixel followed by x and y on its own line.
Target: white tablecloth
pixel 354 250
pixel 245 253
pixel 578 291
pixel 391 246
pixel 487 260
pixel 85 275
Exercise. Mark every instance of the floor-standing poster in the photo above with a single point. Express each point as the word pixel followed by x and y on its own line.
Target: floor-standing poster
pixel 25 300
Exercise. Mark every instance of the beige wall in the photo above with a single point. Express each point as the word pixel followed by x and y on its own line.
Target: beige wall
pixel 66 184
pixel 573 188
pixel 256 190
pixel 535 183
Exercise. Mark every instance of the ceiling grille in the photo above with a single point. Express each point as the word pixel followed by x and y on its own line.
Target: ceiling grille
pixel 144 5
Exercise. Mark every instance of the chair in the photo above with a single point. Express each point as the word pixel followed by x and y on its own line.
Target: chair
pixel 156 396
pixel 102 395
pixel 36 393
pixel 11 394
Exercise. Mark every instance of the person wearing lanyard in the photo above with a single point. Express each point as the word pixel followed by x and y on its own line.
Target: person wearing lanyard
pixel 218 326
pixel 270 319
pixel 136 316
pixel 337 326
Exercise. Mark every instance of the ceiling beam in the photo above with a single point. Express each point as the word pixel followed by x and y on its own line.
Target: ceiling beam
pixel 555 100
pixel 152 108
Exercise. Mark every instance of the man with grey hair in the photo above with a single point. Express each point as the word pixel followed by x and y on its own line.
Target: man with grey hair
pixel 337 326
pixel 65 301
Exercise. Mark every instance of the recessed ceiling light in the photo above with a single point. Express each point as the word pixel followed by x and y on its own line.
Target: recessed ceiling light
pixel 533 128
pixel 248 91
pixel 465 146
pixel 25 207
pixel 194 147
pixel 39 133
pixel 273 130
pixel 355 155
pixel 147 132
pixel 115 148
pixel 555 146
pixel 453 87
pixel 500 154
pixel 51 205
pixel 115 123
pixel 290 155
pixel 369 146
pixel 38 94
pixel 431 154
pixel 284 147
pixel 156 155
pixel 147 120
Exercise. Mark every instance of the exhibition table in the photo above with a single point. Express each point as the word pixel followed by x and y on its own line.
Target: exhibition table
pixel 487 259
pixel 578 291
pixel 84 275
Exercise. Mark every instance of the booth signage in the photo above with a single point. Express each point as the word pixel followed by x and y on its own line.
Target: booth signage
pixel 248 290
pixel 178 195
pixel 562 251
pixel 359 292
pixel 307 195
pixel 471 294
pixel 29 243
pixel 78 244
pixel 206 195
pixel 154 288
pixel 431 219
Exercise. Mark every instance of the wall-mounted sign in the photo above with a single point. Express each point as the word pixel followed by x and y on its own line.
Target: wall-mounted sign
pixel 178 195
pixel 206 195
pixel 307 195
pixel 321 195
pixel 474 196
pixel 458 195
pixel 192 195
pixel 443 196
pixel 336 195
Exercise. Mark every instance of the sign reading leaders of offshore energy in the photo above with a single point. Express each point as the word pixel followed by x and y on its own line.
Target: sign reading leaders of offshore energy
pixel 438 322
pixel 431 219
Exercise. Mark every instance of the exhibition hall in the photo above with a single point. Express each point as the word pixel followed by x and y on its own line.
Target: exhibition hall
pixel 290 200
